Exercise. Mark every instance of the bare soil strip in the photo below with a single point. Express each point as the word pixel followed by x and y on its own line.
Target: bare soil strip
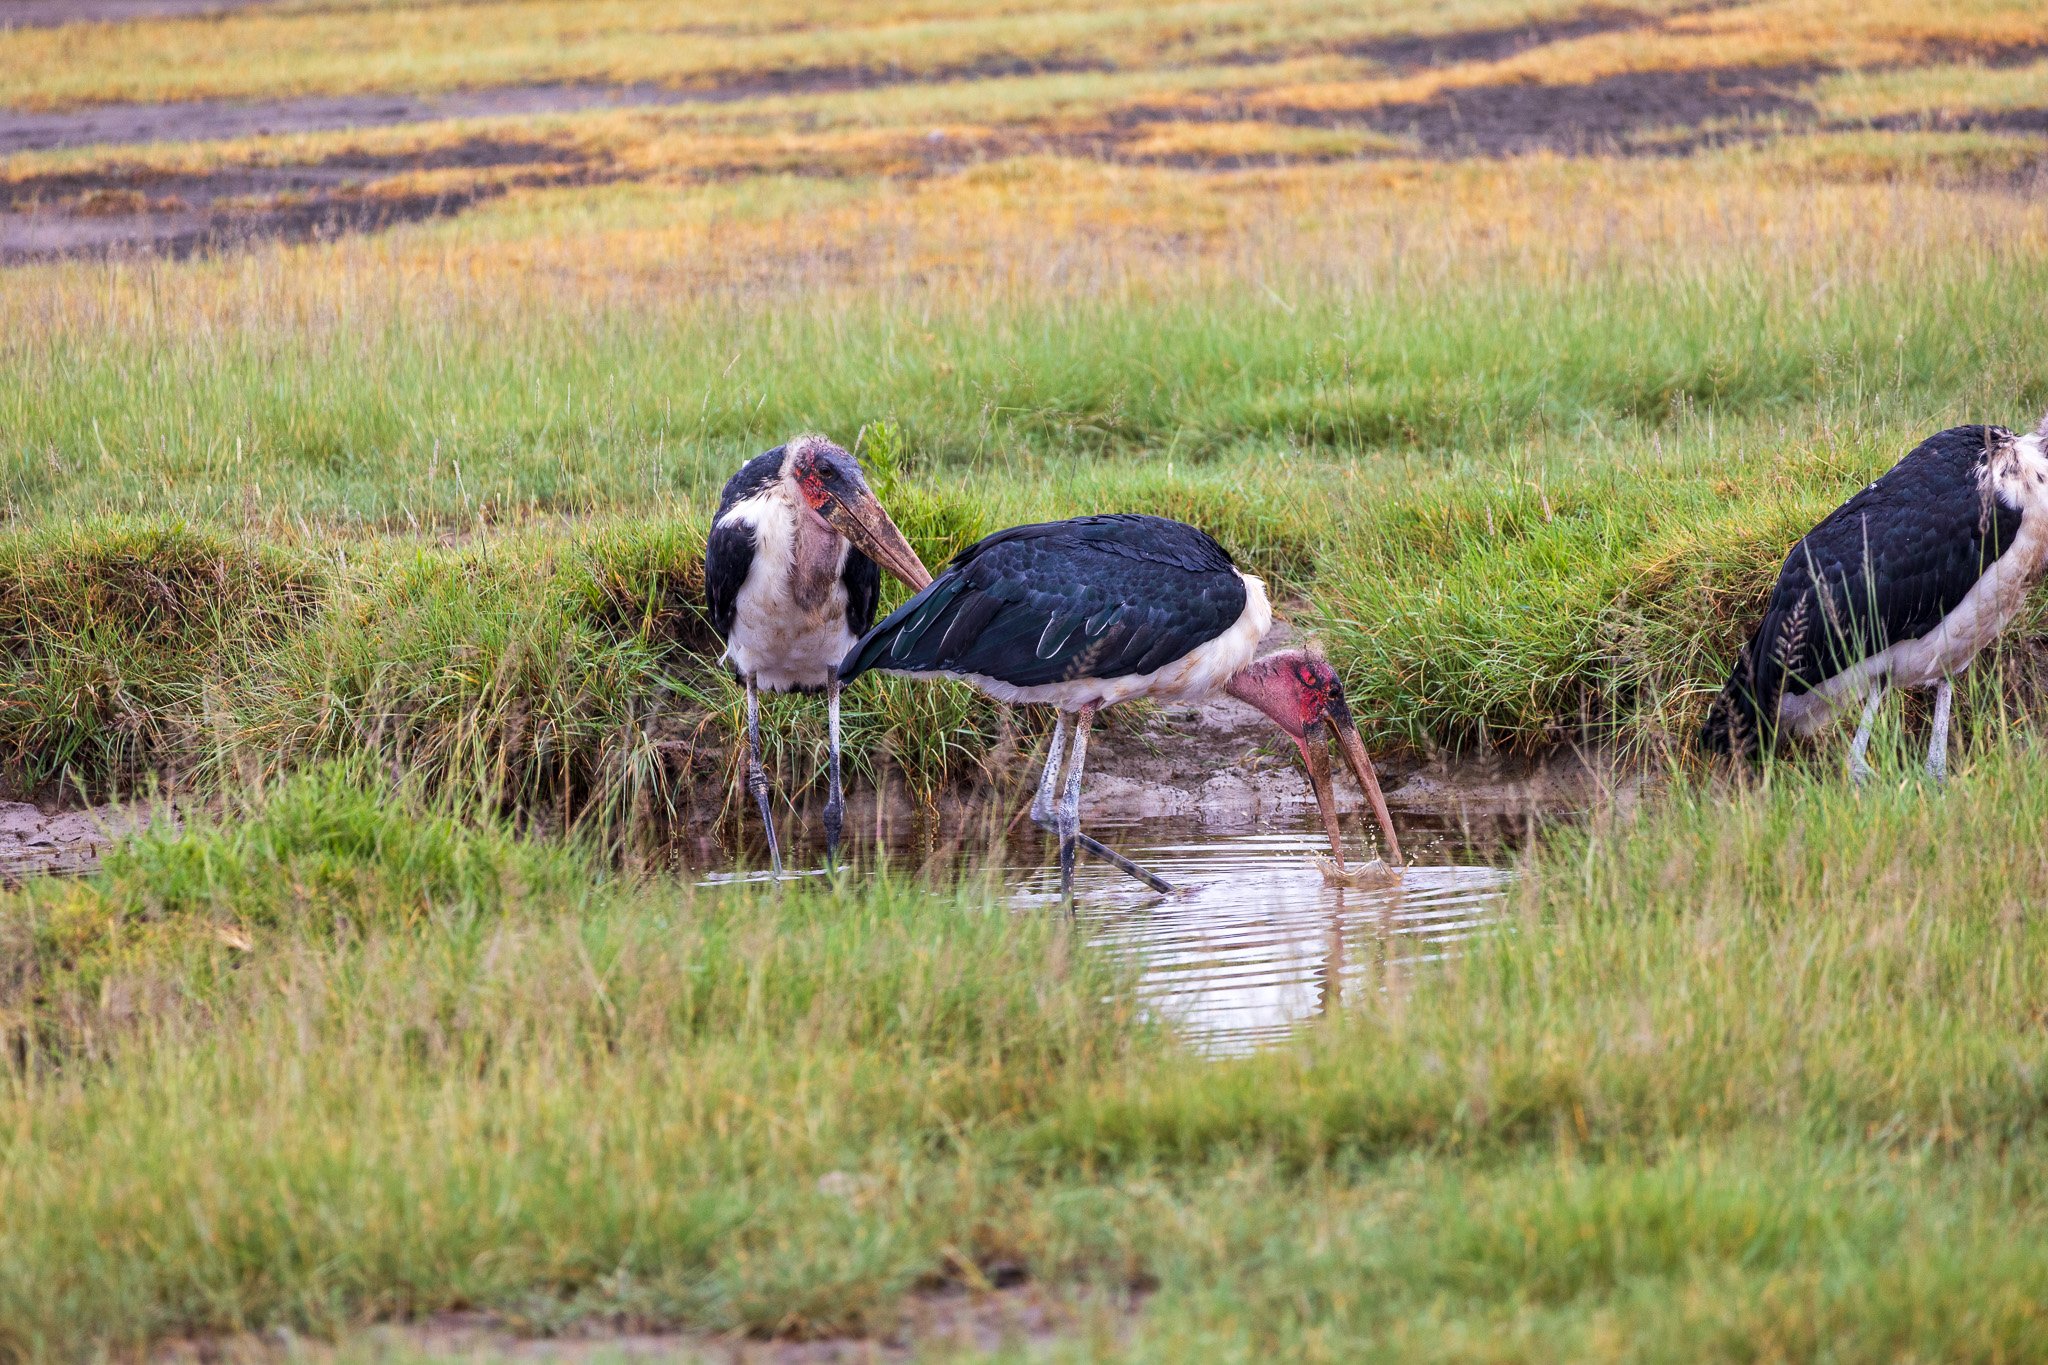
pixel 1607 115
pixel 126 209
pixel 56 13
pixel 217 120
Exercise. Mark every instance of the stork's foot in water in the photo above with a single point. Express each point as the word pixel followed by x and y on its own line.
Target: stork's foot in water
pixel 1363 877
pixel 757 777
pixel 835 822
pixel 757 783
pixel 1095 848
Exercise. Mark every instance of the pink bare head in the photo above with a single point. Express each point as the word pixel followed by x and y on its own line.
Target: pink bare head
pixel 1300 692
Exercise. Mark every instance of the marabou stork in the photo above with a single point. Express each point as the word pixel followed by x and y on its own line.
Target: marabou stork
pixel 1900 586
pixel 1086 613
pixel 790 576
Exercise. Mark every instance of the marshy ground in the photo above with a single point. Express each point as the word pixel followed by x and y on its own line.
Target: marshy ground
pixel 367 374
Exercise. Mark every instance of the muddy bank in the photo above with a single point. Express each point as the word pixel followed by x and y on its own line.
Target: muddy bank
pixel 36 841
pixel 989 1310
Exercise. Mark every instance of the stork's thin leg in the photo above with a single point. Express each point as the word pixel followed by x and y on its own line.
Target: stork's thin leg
pixel 1049 783
pixel 1859 769
pixel 1937 743
pixel 835 801
pixel 757 777
pixel 1070 802
pixel 1045 814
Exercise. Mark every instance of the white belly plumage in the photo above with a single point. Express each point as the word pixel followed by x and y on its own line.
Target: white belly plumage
pixel 785 653
pixel 1193 675
pixel 785 634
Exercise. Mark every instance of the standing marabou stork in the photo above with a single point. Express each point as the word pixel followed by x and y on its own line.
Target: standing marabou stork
pixel 1086 613
pixel 790 576
pixel 1900 586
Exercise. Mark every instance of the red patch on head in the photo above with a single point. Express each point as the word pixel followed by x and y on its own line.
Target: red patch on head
pixel 1315 684
pixel 812 483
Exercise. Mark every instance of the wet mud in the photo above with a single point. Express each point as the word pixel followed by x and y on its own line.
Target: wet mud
pixel 42 841
pixel 985 1309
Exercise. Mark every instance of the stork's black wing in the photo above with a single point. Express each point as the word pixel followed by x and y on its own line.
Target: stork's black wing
pixel 1094 597
pixel 1885 566
pixel 863 581
pixel 751 477
pixel 728 555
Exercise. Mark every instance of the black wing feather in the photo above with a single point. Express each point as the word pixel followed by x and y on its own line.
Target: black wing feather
pixel 728 556
pixel 1093 597
pixel 863 581
pixel 751 477
pixel 1885 566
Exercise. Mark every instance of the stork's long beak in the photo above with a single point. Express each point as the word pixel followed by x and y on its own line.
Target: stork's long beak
pixel 1361 768
pixel 1316 753
pixel 862 520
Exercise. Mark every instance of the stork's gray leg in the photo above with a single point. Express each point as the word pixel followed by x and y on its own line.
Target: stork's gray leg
pixel 835 802
pixel 1859 769
pixel 1937 743
pixel 1049 783
pixel 757 777
pixel 1045 814
pixel 1070 803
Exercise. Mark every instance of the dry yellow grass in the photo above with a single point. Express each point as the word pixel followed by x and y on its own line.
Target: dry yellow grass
pixel 456 46
pixel 1033 226
pixel 434 48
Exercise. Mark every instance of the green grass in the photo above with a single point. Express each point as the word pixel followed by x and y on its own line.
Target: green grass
pixel 1752 1071
pixel 1521 512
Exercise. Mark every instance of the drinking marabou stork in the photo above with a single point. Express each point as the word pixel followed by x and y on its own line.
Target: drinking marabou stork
pixel 1900 586
pixel 1086 613
pixel 790 576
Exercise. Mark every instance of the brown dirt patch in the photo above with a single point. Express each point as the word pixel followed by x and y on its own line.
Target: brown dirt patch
pixel 1636 113
pixel 1613 114
pixel 127 209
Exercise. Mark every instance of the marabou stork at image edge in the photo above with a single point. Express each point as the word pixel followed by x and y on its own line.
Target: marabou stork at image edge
pixel 1086 613
pixel 791 579
pixel 1901 586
